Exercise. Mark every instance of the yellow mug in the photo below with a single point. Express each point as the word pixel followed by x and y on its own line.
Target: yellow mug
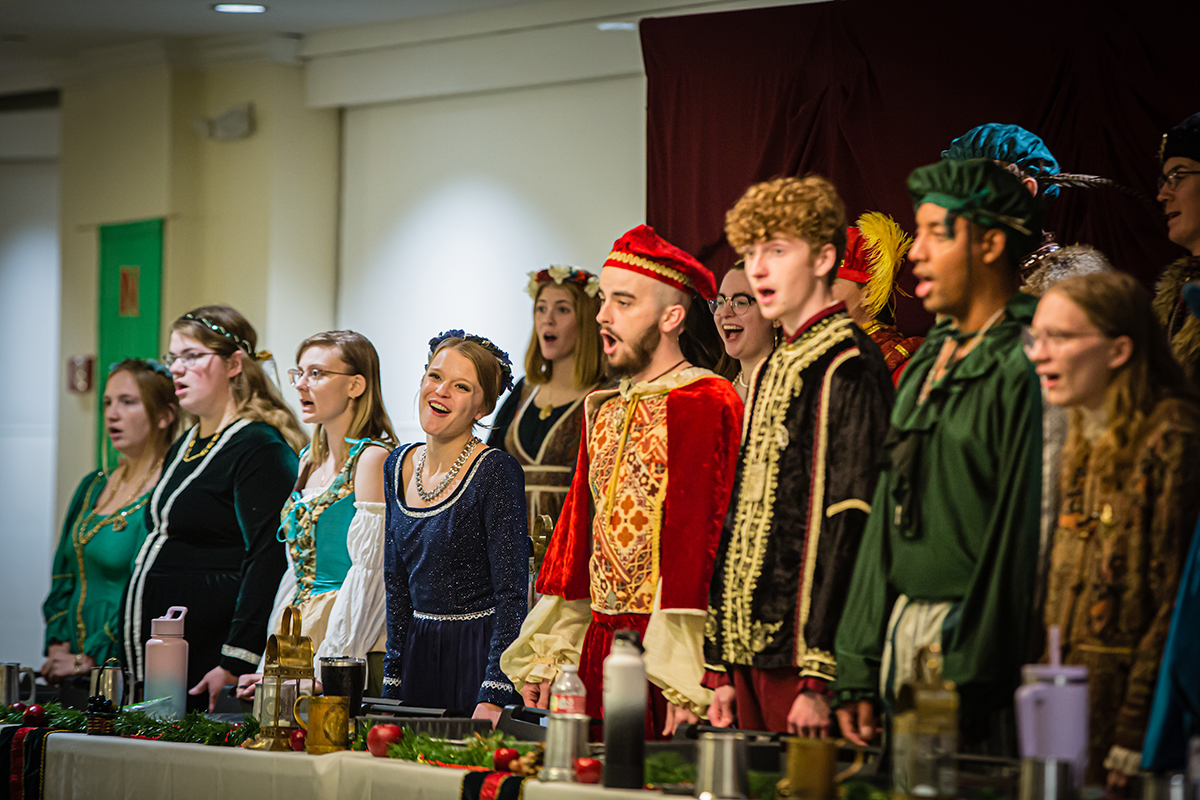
pixel 327 721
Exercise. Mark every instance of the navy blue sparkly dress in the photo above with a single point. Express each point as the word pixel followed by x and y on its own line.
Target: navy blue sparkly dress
pixel 456 576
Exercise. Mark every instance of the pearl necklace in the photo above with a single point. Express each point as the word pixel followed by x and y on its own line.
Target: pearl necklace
pixel 429 497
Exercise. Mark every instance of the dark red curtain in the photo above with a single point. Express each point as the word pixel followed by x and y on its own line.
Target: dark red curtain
pixel 864 91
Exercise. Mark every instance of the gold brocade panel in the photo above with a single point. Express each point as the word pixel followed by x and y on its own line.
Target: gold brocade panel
pixel 765 437
pixel 627 449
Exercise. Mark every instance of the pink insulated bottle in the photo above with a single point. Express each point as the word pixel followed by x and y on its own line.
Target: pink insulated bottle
pixel 167 660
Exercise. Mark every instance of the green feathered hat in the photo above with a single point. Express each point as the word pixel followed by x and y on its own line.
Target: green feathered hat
pixel 984 193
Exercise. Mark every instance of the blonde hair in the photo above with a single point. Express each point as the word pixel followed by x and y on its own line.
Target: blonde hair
pixel 371 419
pixel 256 398
pixel 1120 306
pixel 588 368
pixel 805 208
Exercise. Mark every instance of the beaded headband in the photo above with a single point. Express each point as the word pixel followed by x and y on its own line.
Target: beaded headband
pixel 506 380
pixel 589 283
pixel 160 368
pixel 216 328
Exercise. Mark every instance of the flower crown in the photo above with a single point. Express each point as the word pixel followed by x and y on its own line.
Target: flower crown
pixel 506 380
pixel 583 279
pixel 217 328
pixel 157 366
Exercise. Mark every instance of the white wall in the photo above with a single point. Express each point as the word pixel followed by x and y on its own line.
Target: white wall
pixel 478 147
pixel 448 203
pixel 29 312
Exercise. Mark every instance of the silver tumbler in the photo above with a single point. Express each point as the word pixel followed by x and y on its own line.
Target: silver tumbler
pixel 1046 779
pixel 721 766
pixel 566 740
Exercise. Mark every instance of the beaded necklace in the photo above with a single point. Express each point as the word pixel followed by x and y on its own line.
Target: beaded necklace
pixel 429 496
pixel 189 456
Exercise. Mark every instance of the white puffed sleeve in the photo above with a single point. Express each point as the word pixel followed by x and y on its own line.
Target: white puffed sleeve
pixel 360 609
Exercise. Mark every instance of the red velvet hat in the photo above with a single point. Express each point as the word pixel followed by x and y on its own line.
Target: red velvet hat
pixel 644 251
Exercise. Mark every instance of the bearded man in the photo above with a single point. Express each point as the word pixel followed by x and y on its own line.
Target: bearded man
pixel 635 542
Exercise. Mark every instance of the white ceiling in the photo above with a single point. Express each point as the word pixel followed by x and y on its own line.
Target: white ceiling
pixel 39 29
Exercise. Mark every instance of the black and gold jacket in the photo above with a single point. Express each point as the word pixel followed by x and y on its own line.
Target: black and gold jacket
pixel 818 411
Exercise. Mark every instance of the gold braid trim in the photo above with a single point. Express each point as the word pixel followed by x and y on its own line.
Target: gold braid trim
pixel 653 266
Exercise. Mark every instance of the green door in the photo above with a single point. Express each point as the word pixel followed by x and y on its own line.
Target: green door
pixel 130 306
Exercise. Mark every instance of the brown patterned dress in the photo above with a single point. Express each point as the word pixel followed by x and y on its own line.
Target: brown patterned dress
pixel 1123 534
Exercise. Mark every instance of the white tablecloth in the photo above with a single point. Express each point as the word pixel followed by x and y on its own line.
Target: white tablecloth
pixel 81 767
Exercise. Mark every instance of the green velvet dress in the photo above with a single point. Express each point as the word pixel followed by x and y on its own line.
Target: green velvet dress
pixel 92 565
pixel 955 519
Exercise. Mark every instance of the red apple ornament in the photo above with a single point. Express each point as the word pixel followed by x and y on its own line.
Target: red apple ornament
pixel 588 770
pixel 18 706
pixel 382 735
pixel 34 716
pixel 297 739
pixel 503 758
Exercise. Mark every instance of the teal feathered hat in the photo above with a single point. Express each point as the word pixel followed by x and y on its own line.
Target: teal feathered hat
pixel 1011 144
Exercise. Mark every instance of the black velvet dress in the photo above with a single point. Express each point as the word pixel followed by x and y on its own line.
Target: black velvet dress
pixel 213 549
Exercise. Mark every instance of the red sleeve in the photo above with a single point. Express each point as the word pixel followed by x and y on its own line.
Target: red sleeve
pixel 564 570
pixel 704 425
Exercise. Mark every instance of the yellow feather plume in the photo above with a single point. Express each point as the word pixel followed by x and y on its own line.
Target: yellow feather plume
pixel 886 244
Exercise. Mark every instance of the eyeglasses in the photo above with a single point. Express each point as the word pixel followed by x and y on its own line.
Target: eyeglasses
pixel 1172 180
pixel 1054 340
pixel 313 375
pixel 738 303
pixel 189 358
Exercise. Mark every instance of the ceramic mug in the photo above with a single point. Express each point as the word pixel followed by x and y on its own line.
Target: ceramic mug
pixel 327 720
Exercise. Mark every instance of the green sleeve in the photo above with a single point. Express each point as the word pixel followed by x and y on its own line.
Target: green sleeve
pixel 64 570
pixel 986 641
pixel 859 641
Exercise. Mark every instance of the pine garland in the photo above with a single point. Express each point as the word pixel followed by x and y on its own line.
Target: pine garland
pixel 476 752
pixel 194 728
pixel 57 717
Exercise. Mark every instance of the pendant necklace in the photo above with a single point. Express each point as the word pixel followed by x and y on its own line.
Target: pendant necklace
pixel 429 496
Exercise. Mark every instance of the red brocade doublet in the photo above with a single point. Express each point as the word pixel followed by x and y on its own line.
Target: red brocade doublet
pixel 651 488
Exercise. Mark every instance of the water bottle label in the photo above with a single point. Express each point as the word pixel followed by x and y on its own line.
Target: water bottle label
pixel 567 704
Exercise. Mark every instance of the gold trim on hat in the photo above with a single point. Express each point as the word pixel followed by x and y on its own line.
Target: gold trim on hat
pixel 653 266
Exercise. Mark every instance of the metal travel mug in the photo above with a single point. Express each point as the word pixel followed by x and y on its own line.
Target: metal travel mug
pixel 1046 779
pixel 344 676
pixel 109 681
pixel 721 766
pixel 566 740
pixel 10 684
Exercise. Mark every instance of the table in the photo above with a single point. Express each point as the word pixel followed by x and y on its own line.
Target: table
pixel 81 767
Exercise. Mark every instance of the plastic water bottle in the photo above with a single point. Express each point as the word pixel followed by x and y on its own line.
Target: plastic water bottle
pixel 624 713
pixel 567 694
pixel 167 660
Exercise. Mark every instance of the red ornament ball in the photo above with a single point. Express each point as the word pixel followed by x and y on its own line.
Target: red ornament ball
pixel 34 716
pixel 18 707
pixel 297 739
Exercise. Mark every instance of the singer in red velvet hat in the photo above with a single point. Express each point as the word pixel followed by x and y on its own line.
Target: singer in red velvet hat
pixel 639 529
pixel 642 250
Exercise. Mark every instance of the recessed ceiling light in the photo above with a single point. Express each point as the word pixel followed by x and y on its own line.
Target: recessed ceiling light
pixel 239 8
pixel 617 26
